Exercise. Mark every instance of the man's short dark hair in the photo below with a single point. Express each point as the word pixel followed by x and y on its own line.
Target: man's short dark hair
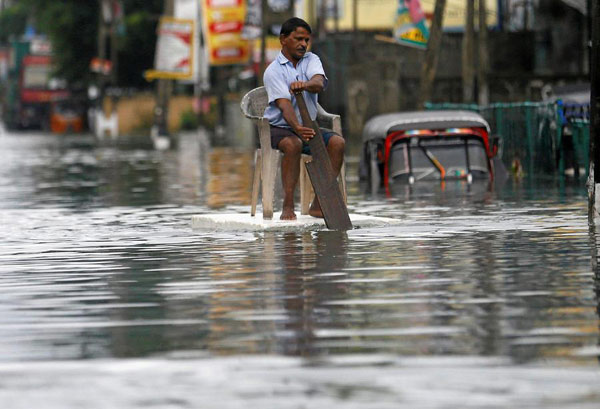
pixel 290 25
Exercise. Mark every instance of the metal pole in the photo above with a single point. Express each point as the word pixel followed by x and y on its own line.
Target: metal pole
pixel 354 17
pixel 468 54
pixel 101 56
pixel 336 16
pixel 322 20
pixel 594 206
pixel 595 89
pixel 432 54
pixel 114 55
pixel 589 35
pixel 163 88
pixel 263 41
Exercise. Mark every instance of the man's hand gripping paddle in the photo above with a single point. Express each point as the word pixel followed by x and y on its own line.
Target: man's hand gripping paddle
pixel 323 177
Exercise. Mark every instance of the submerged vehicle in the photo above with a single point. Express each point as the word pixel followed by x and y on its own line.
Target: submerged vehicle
pixel 408 147
pixel 66 116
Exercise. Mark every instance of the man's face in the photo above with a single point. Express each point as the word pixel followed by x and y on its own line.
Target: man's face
pixel 295 45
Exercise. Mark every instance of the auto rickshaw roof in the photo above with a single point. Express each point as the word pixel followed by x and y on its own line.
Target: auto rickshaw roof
pixel 379 126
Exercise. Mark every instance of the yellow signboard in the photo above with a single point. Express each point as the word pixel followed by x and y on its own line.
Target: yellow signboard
pixel 380 14
pixel 223 22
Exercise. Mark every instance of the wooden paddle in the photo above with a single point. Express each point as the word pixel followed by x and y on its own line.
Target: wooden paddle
pixel 323 177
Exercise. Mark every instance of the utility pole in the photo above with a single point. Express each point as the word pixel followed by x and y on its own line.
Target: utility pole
pixel 101 54
pixel 164 88
pixel 354 17
pixel 594 209
pixel 432 54
pixel 588 43
pixel 263 41
pixel 114 50
pixel 322 20
pixel 482 66
pixel 468 53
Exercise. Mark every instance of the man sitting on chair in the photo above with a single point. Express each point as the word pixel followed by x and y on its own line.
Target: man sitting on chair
pixel 296 70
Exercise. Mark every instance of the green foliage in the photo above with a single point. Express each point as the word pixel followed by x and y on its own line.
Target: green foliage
pixel 189 120
pixel 137 46
pixel 12 22
pixel 72 27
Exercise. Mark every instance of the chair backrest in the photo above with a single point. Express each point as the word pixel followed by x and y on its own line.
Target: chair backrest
pixel 254 103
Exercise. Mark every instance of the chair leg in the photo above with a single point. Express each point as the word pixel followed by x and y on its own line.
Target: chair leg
pixel 270 167
pixel 256 181
pixel 342 181
pixel 305 186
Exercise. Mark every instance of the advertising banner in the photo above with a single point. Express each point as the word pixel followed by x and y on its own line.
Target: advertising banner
pixel 410 27
pixel 223 22
pixel 175 49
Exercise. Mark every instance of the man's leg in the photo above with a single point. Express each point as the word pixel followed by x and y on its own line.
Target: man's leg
pixel 335 149
pixel 291 146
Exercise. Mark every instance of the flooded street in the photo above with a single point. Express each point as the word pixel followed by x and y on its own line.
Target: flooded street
pixel 109 299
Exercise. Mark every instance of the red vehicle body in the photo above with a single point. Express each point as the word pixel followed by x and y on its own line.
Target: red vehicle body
pixel 65 117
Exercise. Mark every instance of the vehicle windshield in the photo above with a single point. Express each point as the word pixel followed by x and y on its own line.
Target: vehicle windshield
pixel 67 109
pixel 429 157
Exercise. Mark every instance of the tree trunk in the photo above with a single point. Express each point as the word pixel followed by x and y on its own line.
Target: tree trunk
pixel 431 54
pixel 482 66
pixel 468 54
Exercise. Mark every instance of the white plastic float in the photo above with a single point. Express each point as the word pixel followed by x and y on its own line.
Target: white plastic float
pixel 245 222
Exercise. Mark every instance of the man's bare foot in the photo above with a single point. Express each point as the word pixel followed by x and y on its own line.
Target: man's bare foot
pixel 315 209
pixel 287 213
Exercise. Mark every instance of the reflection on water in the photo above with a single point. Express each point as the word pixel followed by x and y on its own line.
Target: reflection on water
pixel 99 261
pixel 231 174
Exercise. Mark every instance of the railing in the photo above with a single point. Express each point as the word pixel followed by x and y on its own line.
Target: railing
pixel 536 135
pixel 580 129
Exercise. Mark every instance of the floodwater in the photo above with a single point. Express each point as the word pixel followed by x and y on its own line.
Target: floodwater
pixel 109 299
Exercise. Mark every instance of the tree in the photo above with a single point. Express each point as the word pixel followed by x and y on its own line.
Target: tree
pixel 72 27
pixel 12 22
pixel 432 54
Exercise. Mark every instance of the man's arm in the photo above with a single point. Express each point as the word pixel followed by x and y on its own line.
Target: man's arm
pixel 314 85
pixel 287 110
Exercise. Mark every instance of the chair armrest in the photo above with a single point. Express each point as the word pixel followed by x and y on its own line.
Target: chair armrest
pixel 329 121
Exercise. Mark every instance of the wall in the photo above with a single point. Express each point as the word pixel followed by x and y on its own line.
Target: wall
pixel 136 112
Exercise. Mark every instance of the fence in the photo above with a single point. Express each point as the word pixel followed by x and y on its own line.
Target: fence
pixel 538 136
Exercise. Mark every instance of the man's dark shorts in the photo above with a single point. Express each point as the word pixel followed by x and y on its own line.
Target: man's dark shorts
pixel 277 134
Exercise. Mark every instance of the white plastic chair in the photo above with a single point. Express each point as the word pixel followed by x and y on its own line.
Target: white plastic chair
pixel 267 160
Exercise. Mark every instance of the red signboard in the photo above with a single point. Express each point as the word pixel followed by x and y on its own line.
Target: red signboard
pixel 223 3
pixel 29 95
pixel 37 60
pixel 225 27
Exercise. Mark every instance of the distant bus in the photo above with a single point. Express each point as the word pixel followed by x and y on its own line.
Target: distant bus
pixel 30 88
